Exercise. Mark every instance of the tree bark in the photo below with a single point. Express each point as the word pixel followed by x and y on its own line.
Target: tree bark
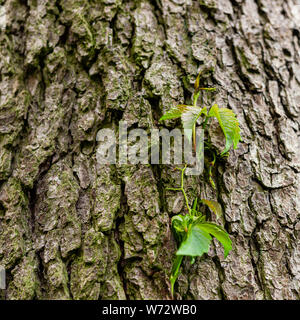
pixel 73 229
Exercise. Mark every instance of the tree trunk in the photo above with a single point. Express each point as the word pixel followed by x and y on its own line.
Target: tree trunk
pixel 73 229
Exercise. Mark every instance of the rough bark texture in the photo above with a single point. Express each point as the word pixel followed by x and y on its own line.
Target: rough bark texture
pixel 71 229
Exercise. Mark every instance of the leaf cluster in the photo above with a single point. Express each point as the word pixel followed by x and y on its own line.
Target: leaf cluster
pixel 192 231
pixel 190 114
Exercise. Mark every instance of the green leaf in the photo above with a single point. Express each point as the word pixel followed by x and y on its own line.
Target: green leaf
pixel 229 124
pixel 196 242
pixel 200 218
pixel 175 271
pixel 219 233
pixel 214 206
pixel 179 223
pixel 194 208
pixel 189 118
pixel 195 204
pixel 174 113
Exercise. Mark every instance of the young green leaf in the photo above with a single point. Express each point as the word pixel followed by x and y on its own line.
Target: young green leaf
pixel 174 113
pixel 199 219
pixel 189 118
pixel 196 242
pixel 219 233
pixel 194 208
pixel 214 206
pixel 229 124
pixel 180 223
pixel 195 204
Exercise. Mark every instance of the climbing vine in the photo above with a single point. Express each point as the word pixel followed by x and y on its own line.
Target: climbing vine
pixel 192 231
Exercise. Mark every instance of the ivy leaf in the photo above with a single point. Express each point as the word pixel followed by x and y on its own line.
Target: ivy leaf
pixel 175 271
pixel 189 118
pixel 174 113
pixel 196 242
pixel 219 233
pixel 214 206
pixel 229 124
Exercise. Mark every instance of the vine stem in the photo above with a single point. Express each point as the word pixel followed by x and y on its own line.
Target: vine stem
pixel 182 188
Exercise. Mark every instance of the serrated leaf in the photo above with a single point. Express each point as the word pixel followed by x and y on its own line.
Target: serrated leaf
pixel 229 124
pixel 196 242
pixel 189 118
pixel 214 206
pixel 219 233
pixel 174 113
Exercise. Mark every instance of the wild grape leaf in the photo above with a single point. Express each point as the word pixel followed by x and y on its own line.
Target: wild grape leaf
pixel 229 124
pixel 214 206
pixel 196 242
pixel 219 233
pixel 174 113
